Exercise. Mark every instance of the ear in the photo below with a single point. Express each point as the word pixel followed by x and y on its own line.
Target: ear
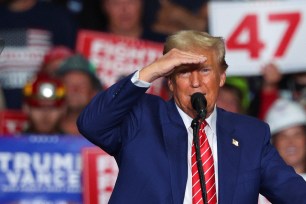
pixel 170 84
pixel 222 79
pixel 26 109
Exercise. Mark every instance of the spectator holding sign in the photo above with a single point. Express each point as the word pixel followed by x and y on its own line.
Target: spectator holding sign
pixel 274 85
pixel 168 16
pixel 124 17
pixel 269 91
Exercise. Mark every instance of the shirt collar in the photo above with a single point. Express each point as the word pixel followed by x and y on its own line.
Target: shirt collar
pixel 211 120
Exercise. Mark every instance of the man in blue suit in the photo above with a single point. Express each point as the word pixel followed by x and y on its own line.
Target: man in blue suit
pixel 151 138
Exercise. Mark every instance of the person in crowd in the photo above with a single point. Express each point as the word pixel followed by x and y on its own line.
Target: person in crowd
pixel 53 59
pixel 297 86
pixel 267 92
pixel 168 16
pixel 44 104
pixel 274 85
pixel 2 99
pixel 287 120
pixel 233 96
pixel 124 18
pixel 29 28
pixel 151 139
pixel 81 83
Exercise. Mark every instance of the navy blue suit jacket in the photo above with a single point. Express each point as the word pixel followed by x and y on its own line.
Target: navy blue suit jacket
pixel 148 139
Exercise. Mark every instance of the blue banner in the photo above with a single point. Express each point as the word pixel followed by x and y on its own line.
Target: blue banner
pixel 41 169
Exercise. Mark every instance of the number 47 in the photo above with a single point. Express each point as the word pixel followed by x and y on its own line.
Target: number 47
pixel 254 45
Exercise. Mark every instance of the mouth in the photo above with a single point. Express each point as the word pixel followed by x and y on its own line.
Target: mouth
pixel 291 151
pixel 197 92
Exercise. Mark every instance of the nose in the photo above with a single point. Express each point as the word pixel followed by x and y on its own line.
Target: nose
pixel 194 79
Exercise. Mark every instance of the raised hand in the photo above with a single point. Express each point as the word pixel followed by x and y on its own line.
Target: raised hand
pixel 166 64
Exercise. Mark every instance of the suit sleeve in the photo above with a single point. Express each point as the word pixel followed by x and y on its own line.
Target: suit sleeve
pixel 110 116
pixel 279 183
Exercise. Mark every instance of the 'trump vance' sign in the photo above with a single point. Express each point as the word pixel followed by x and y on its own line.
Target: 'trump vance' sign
pixel 41 169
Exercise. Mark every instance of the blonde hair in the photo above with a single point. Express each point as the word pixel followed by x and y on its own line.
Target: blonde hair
pixel 190 39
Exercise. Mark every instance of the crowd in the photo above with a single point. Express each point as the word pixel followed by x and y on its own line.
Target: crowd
pixel 54 86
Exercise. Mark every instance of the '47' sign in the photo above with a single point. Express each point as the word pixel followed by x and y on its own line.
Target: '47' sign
pixel 257 33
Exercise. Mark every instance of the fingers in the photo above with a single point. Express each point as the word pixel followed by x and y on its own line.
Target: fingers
pixel 166 65
pixel 181 57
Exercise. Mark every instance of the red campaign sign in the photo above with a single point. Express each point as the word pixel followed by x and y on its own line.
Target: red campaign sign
pixel 99 175
pixel 12 122
pixel 116 56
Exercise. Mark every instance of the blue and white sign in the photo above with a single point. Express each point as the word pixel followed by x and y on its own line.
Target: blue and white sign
pixel 41 169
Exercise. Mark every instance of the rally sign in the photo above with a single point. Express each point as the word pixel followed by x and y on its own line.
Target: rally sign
pixel 116 56
pixel 12 122
pixel 41 169
pixel 99 175
pixel 257 33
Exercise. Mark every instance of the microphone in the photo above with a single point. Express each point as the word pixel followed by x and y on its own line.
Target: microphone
pixel 199 103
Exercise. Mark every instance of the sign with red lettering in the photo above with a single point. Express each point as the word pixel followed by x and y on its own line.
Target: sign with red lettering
pixel 12 122
pixel 257 33
pixel 99 175
pixel 115 56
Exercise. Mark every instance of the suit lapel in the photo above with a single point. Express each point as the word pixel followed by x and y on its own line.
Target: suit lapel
pixel 228 156
pixel 175 137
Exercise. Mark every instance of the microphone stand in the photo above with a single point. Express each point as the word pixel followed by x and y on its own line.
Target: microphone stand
pixel 195 126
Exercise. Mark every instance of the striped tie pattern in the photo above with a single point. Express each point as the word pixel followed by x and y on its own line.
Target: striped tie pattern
pixel 208 168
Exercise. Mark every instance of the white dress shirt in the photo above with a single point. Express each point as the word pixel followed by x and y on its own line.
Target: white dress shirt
pixel 210 131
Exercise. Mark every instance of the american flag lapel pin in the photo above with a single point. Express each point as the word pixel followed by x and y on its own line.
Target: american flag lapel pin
pixel 235 142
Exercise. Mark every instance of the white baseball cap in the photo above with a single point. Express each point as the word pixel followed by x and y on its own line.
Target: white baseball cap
pixel 284 114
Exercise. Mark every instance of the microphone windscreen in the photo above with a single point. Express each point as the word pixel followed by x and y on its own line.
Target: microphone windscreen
pixel 199 103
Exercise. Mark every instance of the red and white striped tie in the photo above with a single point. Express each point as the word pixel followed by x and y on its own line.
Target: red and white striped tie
pixel 208 168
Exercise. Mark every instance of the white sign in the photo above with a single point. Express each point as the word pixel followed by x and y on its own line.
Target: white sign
pixel 257 33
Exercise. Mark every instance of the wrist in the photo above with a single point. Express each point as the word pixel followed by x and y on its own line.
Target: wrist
pixel 145 74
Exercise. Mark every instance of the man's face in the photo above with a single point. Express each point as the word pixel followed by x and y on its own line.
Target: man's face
pixel 291 145
pixel 79 90
pixel 45 120
pixel 229 101
pixel 123 14
pixel 206 78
